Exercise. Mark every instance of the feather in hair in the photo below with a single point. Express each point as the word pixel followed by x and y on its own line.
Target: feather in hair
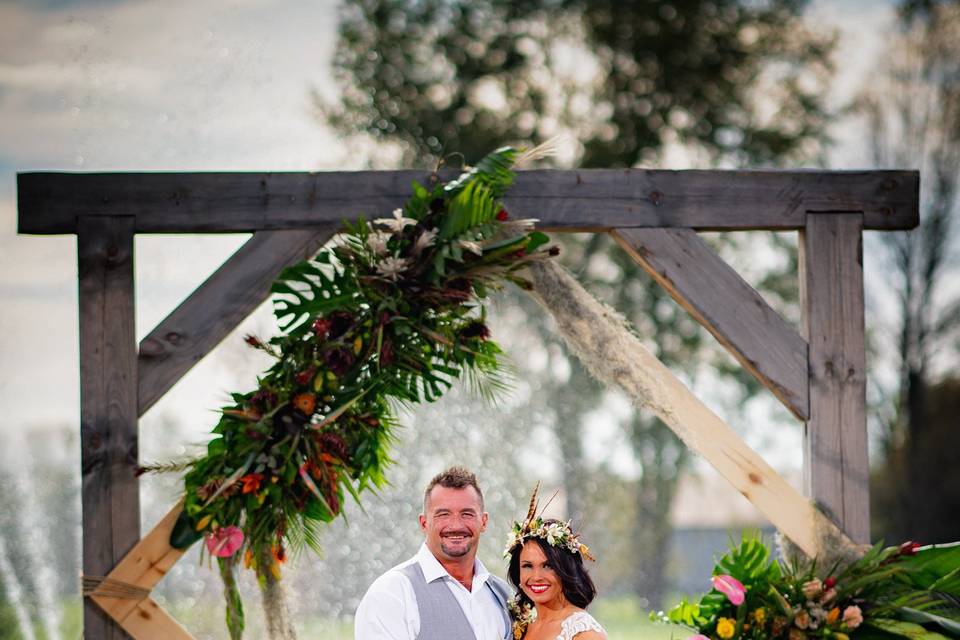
pixel 543 150
pixel 532 510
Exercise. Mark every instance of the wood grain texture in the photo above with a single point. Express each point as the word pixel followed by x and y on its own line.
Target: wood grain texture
pixel 217 306
pixel 144 566
pixel 729 308
pixel 617 357
pixel 594 199
pixel 836 471
pixel 149 621
pixel 108 402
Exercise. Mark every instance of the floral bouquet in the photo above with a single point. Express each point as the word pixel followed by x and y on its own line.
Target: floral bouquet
pixel 907 591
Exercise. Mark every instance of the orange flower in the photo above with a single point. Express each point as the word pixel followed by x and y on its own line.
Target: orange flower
pixel 251 482
pixel 833 615
pixel 279 554
pixel 248 558
pixel 305 403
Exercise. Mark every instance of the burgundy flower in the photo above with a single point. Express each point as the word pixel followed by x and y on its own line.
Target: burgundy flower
pixel 340 323
pixel 288 421
pixel 264 400
pixel 252 340
pixel 476 329
pixel 339 360
pixel 321 328
pixel 830 583
pixel 554 251
pixel 334 444
pixel 386 353
pixel 502 215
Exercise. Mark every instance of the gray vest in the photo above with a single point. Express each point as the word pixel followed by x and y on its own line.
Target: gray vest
pixel 441 617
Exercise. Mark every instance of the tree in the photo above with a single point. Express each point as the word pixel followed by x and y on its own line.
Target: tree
pixel 741 81
pixel 732 81
pixel 914 112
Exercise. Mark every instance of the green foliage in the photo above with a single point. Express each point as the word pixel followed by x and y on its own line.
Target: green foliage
pixel 889 592
pixel 391 313
pixel 438 75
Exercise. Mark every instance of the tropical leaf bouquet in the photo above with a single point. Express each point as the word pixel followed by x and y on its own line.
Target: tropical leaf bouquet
pixel 891 592
pixel 390 313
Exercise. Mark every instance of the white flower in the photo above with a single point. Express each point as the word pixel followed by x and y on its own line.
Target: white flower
pixel 397 222
pixel 471 246
pixel 425 240
pixel 392 267
pixel 377 241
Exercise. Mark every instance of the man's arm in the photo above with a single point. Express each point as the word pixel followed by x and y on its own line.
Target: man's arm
pixel 383 613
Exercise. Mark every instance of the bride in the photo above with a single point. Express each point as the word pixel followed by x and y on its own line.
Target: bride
pixel 553 586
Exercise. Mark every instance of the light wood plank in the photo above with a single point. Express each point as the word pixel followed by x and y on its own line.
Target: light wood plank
pixel 149 621
pixel 144 566
pixel 836 471
pixel 729 308
pixel 217 306
pixel 108 402
pixel 615 356
pixel 576 199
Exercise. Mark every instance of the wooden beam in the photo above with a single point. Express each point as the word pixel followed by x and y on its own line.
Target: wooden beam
pixel 593 199
pixel 215 308
pixel 108 403
pixel 615 356
pixel 143 567
pixel 836 471
pixel 729 308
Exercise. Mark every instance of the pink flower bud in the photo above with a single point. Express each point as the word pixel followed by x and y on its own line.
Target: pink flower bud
pixel 730 587
pixel 223 542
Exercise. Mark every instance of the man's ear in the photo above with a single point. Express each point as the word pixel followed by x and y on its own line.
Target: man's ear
pixel 423 522
pixel 483 521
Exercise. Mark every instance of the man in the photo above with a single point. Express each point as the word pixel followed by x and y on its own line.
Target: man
pixel 443 592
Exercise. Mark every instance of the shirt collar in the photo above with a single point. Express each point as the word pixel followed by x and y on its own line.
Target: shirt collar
pixel 432 569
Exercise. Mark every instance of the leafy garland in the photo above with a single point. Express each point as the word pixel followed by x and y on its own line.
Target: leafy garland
pixel 390 313
pixel 894 592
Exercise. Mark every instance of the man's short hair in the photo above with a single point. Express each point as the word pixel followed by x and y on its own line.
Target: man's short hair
pixel 453 478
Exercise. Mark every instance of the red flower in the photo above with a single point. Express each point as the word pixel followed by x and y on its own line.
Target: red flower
pixel 502 215
pixel 909 548
pixel 339 360
pixel 829 583
pixel 279 554
pixel 304 377
pixel 321 328
pixel 251 482
pixel 252 340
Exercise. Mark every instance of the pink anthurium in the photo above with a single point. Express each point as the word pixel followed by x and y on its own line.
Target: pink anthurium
pixel 730 587
pixel 224 541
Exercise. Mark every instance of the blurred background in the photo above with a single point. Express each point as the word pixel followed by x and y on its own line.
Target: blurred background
pixel 107 85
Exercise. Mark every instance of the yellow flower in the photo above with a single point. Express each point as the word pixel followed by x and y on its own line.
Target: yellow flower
pixel 841 636
pixel 760 615
pixel 517 631
pixel 726 628
pixel 204 521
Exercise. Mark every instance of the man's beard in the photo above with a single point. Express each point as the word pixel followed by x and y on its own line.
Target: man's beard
pixel 456 551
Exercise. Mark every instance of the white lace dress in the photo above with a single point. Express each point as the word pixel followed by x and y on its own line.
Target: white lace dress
pixel 578 623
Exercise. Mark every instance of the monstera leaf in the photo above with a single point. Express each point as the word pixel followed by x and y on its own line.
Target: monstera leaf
pixel 309 289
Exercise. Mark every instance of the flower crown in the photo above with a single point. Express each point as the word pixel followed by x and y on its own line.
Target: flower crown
pixel 557 534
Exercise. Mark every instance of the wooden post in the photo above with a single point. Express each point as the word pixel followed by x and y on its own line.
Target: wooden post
pixel 836 471
pixel 108 403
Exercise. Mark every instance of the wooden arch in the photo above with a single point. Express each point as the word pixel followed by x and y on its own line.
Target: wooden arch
pixel 818 374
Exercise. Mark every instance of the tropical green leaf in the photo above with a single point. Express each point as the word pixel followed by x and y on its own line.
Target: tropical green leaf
pixel 906 629
pixel 933 564
pixel 928 617
pixel 184 532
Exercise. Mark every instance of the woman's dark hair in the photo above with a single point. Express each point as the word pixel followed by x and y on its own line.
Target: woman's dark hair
pixel 577 586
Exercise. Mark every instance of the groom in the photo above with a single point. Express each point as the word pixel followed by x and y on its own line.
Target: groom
pixel 443 592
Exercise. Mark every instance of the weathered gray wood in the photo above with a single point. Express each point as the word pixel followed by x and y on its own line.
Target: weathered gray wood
pixel 729 308
pixel 836 471
pixel 580 199
pixel 217 306
pixel 108 403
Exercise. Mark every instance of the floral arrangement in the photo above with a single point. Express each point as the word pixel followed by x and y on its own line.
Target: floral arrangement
pixel 556 533
pixel 907 591
pixel 390 313
pixel 522 613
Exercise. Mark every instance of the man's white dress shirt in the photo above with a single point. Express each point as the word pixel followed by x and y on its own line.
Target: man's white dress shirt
pixel 389 609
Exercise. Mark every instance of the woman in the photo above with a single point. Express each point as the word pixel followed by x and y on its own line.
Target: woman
pixel 553 586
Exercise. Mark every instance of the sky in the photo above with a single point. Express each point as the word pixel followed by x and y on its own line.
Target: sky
pixel 136 85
